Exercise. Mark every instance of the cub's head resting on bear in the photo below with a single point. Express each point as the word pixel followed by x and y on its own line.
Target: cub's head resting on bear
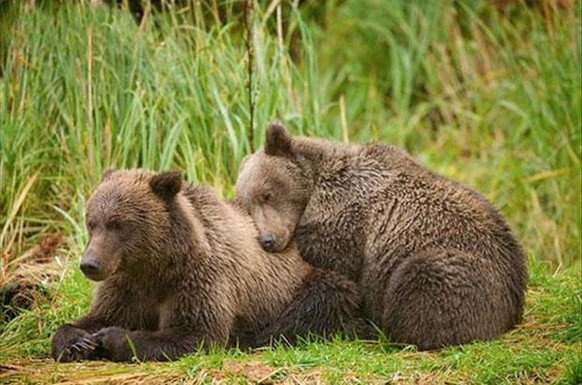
pixel 169 282
pixel 435 262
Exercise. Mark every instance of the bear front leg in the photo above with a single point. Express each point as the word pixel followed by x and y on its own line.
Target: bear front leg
pixel 75 342
pixel 118 344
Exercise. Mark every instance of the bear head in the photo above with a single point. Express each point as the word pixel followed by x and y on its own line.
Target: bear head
pixel 274 185
pixel 129 219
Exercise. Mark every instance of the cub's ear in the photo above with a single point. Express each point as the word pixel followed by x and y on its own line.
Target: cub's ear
pixel 278 141
pixel 108 174
pixel 166 184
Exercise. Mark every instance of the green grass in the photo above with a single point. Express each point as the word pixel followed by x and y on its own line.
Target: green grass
pixel 545 348
pixel 491 99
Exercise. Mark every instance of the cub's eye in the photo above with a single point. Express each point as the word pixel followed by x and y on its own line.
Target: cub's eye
pixel 266 197
pixel 91 225
pixel 113 225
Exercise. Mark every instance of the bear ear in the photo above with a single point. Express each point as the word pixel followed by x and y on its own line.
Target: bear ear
pixel 167 184
pixel 108 174
pixel 278 141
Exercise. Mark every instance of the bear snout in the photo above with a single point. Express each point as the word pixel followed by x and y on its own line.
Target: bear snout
pixel 91 267
pixel 268 242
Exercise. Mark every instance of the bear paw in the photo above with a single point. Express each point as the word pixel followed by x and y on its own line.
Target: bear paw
pixel 113 343
pixel 82 350
pixel 72 344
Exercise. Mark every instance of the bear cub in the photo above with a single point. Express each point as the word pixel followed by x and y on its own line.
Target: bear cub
pixel 178 269
pixel 435 263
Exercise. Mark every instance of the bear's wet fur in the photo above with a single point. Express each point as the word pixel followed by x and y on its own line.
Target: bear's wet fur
pixel 435 263
pixel 179 269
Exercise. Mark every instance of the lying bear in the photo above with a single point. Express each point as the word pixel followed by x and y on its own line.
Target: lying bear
pixel 179 269
pixel 436 264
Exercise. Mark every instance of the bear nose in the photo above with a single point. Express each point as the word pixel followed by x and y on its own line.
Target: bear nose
pixel 268 242
pixel 90 267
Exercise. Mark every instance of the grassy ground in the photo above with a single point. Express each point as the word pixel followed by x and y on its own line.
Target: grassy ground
pixel 544 349
pixel 490 98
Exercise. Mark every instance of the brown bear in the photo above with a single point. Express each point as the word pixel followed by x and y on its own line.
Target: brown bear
pixel 179 269
pixel 436 264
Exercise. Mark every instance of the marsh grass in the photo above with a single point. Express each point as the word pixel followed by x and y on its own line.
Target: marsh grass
pixel 489 98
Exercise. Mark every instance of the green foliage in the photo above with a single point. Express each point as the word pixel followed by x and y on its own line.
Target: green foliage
pixel 490 99
pixel 543 349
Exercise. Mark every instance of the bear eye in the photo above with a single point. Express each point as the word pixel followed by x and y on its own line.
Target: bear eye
pixel 266 197
pixel 113 224
pixel 91 225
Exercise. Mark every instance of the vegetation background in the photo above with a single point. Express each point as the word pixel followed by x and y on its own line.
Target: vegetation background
pixel 485 92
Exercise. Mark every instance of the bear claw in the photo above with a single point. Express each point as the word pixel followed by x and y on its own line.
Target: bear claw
pixel 81 349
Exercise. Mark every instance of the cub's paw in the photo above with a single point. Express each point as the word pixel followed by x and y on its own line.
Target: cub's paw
pixel 73 344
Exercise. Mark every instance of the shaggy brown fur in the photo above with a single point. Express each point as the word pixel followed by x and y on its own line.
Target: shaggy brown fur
pixel 179 268
pixel 435 262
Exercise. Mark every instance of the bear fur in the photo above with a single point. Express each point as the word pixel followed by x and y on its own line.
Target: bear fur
pixel 435 263
pixel 179 269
